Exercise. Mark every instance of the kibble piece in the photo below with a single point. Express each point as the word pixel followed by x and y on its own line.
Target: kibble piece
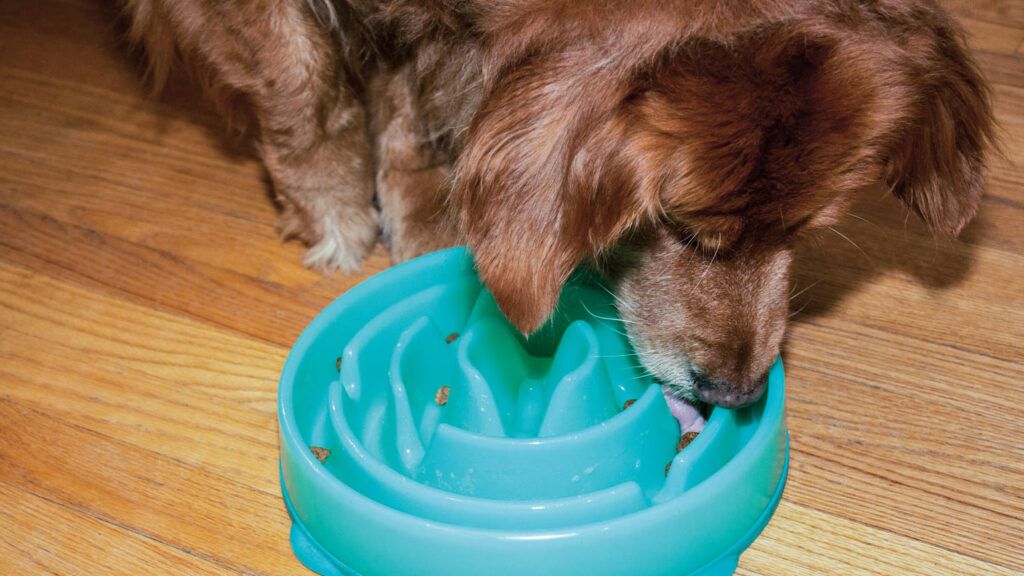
pixel 337 364
pixel 668 467
pixel 441 397
pixel 685 440
pixel 628 403
pixel 452 337
pixel 319 453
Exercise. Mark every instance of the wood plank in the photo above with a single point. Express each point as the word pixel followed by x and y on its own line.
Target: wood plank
pixel 158 344
pixel 149 379
pixel 993 37
pixel 163 280
pixel 1009 109
pixel 804 542
pixel 101 121
pixel 155 496
pixel 1005 12
pixel 959 294
pixel 907 435
pixel 41 536
pixel 999 68
pixel 80 32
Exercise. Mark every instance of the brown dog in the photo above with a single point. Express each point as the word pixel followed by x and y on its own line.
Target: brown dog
pixel 682 145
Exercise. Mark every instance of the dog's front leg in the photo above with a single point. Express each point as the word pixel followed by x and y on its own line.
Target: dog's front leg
pixel 314 142
pixel 413 178
pixel 322 174
pixel 313 137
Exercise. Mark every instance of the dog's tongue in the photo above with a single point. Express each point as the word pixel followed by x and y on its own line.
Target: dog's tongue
pixel 686 414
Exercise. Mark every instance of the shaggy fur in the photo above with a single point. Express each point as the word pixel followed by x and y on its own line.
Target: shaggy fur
pixel 681 145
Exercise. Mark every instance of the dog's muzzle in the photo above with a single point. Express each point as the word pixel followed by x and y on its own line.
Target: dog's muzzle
pixel 725 394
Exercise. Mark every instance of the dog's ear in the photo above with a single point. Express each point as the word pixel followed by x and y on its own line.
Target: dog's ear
pixel 508 197
pixel 936 168
pixel 524 186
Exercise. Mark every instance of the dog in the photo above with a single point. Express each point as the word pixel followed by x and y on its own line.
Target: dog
pixel 681 146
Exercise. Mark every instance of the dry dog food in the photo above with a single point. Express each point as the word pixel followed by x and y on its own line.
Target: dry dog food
pixel 628 403
pixel 685 440
pixel 337 364
pixel 319 453
pixel 452 337
pixel 441 397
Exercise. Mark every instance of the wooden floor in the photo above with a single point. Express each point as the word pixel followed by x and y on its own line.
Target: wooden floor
pixel 146 307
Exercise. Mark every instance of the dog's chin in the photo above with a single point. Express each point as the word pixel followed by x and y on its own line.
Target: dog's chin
pixel 672 371
pixel 681 390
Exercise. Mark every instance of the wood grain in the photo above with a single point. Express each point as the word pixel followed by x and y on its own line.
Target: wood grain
pixel 146 306
pixel 56 539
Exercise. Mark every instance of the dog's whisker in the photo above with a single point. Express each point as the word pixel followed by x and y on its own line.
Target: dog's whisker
pixel 631 355
pixel 689 240
pixel 614 296
pixel 847 238
pixel 619 332
pixel 862 219
pixel 606 318
pixel 812 285
pixel 707 268
pixel 793 314
pixel 610 319
pixel 618 299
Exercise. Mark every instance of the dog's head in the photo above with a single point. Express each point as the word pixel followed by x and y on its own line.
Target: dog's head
pixel 697 152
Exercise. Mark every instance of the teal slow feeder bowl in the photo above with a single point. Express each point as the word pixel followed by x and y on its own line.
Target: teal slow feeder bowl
pixel 421 434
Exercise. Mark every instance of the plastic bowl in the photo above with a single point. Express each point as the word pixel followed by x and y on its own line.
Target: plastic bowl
pixel 531 466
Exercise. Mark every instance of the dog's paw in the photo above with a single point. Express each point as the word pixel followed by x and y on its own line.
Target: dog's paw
pixel 291 224
pixel 342 241
pixel 337 240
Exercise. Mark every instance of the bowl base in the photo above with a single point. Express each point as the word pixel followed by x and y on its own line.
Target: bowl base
pixel 308 551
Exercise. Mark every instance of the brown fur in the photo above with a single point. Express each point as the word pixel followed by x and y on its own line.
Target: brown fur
pixel 681 145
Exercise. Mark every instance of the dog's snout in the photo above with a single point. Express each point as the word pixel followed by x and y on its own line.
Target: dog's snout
pixel 726 394
pixel 702 383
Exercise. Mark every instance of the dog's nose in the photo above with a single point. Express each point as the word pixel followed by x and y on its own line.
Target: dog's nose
pixel 725 394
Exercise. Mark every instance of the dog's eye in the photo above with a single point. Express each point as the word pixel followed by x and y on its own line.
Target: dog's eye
pixel 801 226
pixel 710 242
pixel 710 232
pixel 714 243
